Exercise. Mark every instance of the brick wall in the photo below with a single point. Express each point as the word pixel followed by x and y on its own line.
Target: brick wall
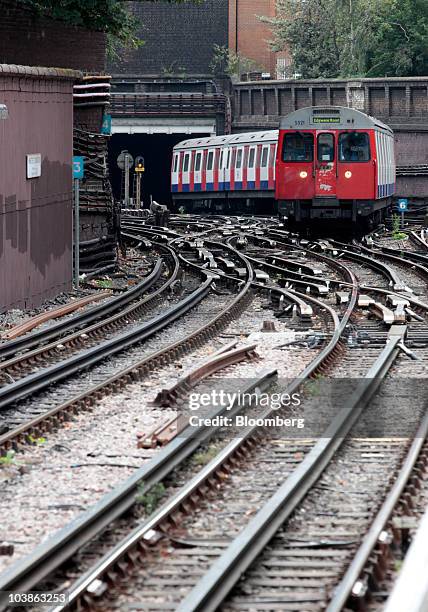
pixel 179 38
pixel 249 35
pixel 31 41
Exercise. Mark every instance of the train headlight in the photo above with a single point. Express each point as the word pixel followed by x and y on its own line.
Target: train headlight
pixel 348 174
pixel 303 174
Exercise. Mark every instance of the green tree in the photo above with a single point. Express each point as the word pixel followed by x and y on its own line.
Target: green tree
pixel 399 39
pixel 345 38
pixel 308 30
pixel 225 61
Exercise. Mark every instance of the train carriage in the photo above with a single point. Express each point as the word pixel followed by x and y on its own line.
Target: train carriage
pixel 238 168
pixel 323 163
pixel 334 163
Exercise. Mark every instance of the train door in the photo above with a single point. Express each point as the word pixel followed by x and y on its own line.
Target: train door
pixel 251 173
pixel 210 169
pixel 198 171
pixel 227 166
pixel 175 172
pixel 221 169
pixel 239 164
pixel 264 167
pixel 325 165
pixel 186 171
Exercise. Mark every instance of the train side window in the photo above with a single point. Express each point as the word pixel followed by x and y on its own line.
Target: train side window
pixel 176 156
pixel 198 162
pixel 265 157
pixel 298 147
pixel 251 158
pixel 210 160
pixel 220 161
pixel 354 147
pixel 238 162
pixel 186 162
pixel 325 148
pixel 227 166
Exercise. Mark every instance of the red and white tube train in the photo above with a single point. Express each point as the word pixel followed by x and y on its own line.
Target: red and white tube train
pixel 322 163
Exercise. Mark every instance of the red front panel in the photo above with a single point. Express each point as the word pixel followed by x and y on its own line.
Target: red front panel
pixel 294 179
pixel 356 180
pixel 339 175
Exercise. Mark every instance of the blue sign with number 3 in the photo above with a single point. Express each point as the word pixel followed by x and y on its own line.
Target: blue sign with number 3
pixel 78 167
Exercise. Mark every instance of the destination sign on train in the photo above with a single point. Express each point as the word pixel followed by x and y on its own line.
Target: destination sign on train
pixel 325 119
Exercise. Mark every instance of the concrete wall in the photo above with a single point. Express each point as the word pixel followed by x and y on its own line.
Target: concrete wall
pixel 401 102
pixel 32 41
pixel 178 37
pixel 35 214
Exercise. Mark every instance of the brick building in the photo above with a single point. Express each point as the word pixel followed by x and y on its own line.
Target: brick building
pixel 178 38
pixel 30 40
pixel 249 36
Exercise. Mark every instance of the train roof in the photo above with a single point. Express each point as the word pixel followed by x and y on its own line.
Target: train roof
pixel 215 141
pixel 324 117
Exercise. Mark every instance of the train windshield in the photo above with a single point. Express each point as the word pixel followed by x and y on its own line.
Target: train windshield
pixel 354 147
pixel 298 147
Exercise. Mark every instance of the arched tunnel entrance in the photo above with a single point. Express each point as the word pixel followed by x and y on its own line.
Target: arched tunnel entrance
pixel 157 152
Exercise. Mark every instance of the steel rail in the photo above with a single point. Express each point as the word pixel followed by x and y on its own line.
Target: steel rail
pixel 80 335
pixel 343 590
pixel 369 261
pixel 168 396
pixel 79 320
pixel 408 255
pixel 48 556
pixel 48 315
pixel 80 587
pixel 137 370
pixel 52 374
pixel 217 583
pixel 418 239
pixel 417 267
pixel 319 284
pixel 415 302
pixel 263 381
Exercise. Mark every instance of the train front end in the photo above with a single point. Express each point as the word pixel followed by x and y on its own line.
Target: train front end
pixel 334 163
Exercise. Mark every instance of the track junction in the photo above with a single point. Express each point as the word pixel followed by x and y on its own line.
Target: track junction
pixel 240 518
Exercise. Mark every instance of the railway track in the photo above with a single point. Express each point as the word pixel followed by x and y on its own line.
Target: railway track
pixel 43 414
pixel 366 350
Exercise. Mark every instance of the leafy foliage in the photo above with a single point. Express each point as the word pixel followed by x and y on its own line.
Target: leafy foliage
pixel 346 38
pixel 226 61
